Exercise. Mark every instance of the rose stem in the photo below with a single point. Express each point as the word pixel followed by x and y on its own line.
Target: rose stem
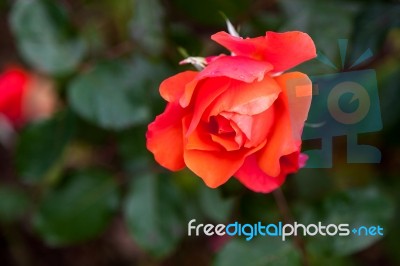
pixel 284 210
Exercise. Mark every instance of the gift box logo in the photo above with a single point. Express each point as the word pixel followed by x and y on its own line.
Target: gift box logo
pixel 345 103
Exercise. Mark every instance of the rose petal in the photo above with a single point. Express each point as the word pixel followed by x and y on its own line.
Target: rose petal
pixel 303 158
pixel 221 125
pixel 251 175
pixel 173 88
pixel 229 143
pixel 240 137
pixel 209 59
pixel 282 50
pixel 215 168
pixel 291 113
pixel 226 132
pixel 208 91
pixel 247 98
pixel 236 67
pixel 261 126
pixel 243 122
pixel 291 163
pixel 250 47
pixel 199 139
pixel 165 138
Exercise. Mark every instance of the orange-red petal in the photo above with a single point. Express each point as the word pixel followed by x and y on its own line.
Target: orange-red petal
pixel 236 67
pixel 199 139
pixel 291 112
pixel 215 168
pixel 173 88
pixel 247 98
pixel 250 47
pixel 243 122
pixel 229 143
pixel 261 126
pixel 282 50
pixel 254 178
pixel 165 138
pixel 208 90
pixel 251 175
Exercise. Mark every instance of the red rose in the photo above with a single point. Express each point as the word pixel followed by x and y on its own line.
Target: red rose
pixel 13 86
pixel 25 97
pixel 239 116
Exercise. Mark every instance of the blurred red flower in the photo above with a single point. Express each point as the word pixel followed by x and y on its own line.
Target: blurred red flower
pixel 25 96
pixel 239 116
pixel 13 88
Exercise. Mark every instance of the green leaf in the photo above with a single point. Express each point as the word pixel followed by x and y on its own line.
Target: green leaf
pixel 41 145
pixel 260 251
pixel 78 209
pixel 13 204
pixel 44 36
pixel 214 205
pixel 154 212
pixel 357 207
pixel 147 25
pixel 114 95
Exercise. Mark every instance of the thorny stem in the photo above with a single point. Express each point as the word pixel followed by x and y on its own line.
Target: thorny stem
pixel 288 218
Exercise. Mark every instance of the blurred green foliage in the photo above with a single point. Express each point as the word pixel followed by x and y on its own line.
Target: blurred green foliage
pixel 108 96
pixel 48 139
pixel 75 178
pixel 45 38
pixel 78 208
pixel 260 251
